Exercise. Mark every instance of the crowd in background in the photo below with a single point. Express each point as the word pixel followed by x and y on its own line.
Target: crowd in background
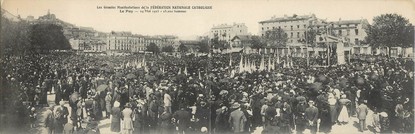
pixel 162 94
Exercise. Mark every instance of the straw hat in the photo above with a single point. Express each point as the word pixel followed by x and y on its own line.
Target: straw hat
pixel 236 105
pixel 116 104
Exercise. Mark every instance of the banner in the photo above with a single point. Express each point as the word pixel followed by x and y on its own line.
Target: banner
pixel 340 53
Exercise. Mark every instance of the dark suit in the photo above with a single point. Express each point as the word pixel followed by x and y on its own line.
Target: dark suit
pixel 237 120
pixel 362 111
pixel 311 115
pixel 183 120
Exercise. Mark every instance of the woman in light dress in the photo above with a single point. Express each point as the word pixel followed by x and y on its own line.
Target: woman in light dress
pixel 127 124
pixel 344 115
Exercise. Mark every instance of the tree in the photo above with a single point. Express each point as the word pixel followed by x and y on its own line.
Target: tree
pixel 45 37
pixel 153 48
pixel 16 41
pixel 218 44
pixel 182 48
pixel 276 38
pixel 168 49
pixel 204 47
pixel 390 30
pixel 311 35
pixel 257 43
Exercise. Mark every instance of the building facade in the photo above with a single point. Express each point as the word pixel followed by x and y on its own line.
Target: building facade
pixel 126 42
pixel 294 26
pixel 226 32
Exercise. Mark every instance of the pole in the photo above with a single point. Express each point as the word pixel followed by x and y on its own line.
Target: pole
pixel 327 43
pixel 306 46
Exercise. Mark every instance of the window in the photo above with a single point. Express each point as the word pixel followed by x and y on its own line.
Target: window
pixel 356 31
pixel 291 27
pixel 273 27
pixel 298 34
pixel 356 41
pixel 340 25
pixel 240 31
pixel 305 26
pixel 279 27
pixel 348 32
pixel 298 26
pixel 291 35
pixel 340 32
pixel 262 28
pixel 267 27
pixel 262 35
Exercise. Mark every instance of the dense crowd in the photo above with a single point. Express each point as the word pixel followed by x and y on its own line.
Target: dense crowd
pixel 162 94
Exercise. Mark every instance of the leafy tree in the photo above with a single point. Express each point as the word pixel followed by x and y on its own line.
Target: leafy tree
pixel 16 41
pixel 218 44
pixel 257 43
pixel 168 49
pixel 204 47
pixel 390 30
pixel 45 37
pixel 276 38
pixel 311 35
pixel 182 48
pixel 153 48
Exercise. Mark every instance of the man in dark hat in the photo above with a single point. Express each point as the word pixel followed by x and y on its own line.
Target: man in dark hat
pixel 182 118
pixel 237 119
pixel 362 111
pixel 311 115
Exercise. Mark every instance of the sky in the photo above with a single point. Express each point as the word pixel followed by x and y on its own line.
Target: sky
pixel 198 22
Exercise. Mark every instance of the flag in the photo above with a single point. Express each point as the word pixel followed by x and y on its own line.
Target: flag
pixel 262 64
pixel 269 64
pixel 241 67
pixel 230 61
pixel 185 70
pixel 249 66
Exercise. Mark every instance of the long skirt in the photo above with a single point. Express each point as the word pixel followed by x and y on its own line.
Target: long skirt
pixel 115 126
pixel 333 113
pixel 343 116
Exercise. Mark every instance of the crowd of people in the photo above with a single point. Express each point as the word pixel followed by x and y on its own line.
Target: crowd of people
pixel 207 94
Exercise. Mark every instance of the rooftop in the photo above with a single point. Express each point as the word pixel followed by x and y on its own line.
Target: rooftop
pixel 226 25
pixel 242 37
pixel 345 22
pixel 288 18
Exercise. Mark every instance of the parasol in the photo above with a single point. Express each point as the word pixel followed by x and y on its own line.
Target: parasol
pixel 118 74
pixel 102 87
pixel 131 76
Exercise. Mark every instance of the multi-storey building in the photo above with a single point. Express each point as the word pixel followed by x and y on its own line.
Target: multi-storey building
pixel 294 26
pixel 226 32
pixel 128 42
pixel 124 42
pixel 353 33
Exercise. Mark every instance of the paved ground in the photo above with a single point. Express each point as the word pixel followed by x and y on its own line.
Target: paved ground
pixel 104 125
